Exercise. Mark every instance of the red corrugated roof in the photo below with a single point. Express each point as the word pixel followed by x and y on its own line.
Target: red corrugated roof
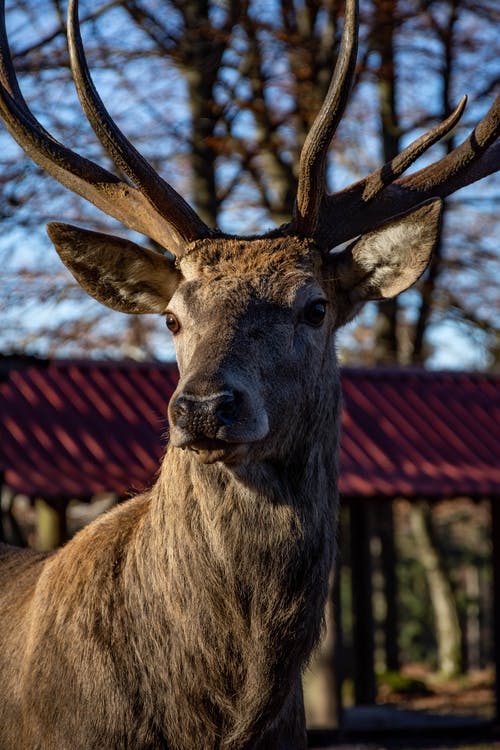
pixel 419 433
pixel 75 429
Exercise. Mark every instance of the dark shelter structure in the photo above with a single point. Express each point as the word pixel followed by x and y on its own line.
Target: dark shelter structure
pixel 75 429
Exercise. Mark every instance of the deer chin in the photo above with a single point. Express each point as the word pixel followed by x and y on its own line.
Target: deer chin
pixel 209 451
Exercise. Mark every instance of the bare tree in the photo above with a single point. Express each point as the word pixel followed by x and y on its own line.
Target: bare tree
pixel 397 341
pixel 192 609
pixel 235 88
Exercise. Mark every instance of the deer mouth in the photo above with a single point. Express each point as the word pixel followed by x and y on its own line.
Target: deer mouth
pixel 211 450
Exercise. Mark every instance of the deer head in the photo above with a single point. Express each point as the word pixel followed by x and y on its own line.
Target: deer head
pixel 253 318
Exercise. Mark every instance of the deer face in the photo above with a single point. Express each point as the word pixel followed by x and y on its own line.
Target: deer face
pixel 253 321
pixel 253 331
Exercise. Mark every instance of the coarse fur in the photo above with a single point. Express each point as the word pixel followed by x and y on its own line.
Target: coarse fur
pixel 183 618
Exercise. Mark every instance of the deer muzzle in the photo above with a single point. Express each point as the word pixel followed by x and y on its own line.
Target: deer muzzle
pixel 203 417
pixel 215 425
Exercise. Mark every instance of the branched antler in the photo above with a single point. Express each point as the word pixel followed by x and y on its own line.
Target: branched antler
pixel 167 219
pixel 333 219
pixel 356 209
pixel 151 206
pixel 311 182
pixel 184 222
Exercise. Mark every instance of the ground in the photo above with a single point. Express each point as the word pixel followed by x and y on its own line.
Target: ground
pixel 429 713
pixel 467 695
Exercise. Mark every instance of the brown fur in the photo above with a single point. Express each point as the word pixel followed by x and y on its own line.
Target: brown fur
pixel 183 618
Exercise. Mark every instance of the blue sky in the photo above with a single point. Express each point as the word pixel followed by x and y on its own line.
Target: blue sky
pixel 24 245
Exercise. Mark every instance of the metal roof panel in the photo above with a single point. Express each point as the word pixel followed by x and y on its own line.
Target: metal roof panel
pixel 73 429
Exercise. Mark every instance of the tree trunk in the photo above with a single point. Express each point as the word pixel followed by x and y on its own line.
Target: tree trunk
pixel 448 631
pixel 386 343
pixel 388 349
pixel 201 53
pixel 322 684
pixel 386 531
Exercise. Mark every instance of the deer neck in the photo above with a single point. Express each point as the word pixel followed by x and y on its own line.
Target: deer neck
pixel 235 565
pixel 240 519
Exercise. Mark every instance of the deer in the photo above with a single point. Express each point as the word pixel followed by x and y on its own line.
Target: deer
pixel 183 618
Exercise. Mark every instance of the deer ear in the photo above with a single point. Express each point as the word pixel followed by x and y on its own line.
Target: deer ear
pixel 388 260
pixel 116 272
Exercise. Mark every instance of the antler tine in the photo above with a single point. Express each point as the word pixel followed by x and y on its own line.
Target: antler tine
pixel 457 169
pixel 82 176
pixel 8 77
pixel 372 201
pixel 72 170
pixel 372 185
pixel 311 182
pixel 169 204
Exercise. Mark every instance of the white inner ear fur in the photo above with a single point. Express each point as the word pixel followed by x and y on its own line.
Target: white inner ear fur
pixel 385 262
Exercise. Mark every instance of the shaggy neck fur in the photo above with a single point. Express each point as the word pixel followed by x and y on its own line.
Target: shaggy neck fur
pixel 183 618
pixel 246 554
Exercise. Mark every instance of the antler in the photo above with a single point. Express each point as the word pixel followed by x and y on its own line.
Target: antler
pixel 311 180
pixel 155 209
pixel 169 204
pixel 151 206
pixel 333 219
pixel 362 206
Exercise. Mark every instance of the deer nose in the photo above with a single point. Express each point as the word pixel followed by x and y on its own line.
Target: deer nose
pixel 203 416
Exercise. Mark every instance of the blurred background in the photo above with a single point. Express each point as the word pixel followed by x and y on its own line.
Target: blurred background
pixel 219 97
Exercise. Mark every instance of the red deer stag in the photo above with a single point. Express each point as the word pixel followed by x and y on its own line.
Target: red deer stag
pixel 183 618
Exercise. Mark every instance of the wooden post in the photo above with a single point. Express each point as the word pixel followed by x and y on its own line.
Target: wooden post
pixel 338 662
pixel 5 501
pixel 10 532
pixel 322 695
pixel 388 561
pixel 51 529
pixel 361 583
pixel 495 553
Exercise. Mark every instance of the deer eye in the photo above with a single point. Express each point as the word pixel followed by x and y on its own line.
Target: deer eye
pixel 314 312
pixel 172 322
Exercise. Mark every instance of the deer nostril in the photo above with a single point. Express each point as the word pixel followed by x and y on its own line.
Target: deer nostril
pixel 180 408
pixel 204 415
pixel 228 408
